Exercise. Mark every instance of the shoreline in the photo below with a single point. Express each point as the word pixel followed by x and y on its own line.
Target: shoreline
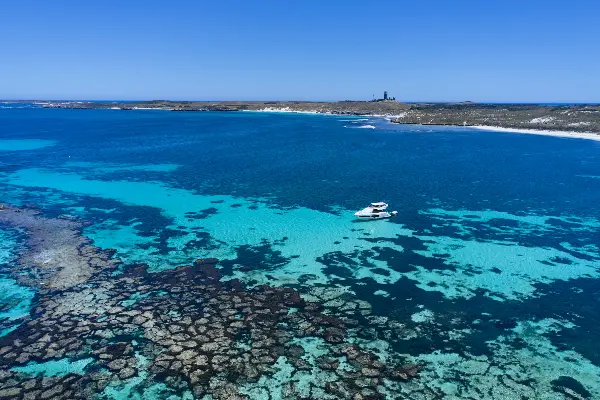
pixel 390 119
pixel 525 131
pixel 565 134
pixel 568 121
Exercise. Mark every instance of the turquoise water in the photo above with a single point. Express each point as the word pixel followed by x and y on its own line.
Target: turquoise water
pixel 15 299
pixel 54 368
pixel 24 144
pixel 486 274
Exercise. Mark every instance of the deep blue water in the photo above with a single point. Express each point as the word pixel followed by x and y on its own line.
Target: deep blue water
pixel 493 261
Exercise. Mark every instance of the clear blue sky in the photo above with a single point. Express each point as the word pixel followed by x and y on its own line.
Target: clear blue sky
pixel 436 50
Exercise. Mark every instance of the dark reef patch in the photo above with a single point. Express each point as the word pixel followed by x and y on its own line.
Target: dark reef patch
pixel 484 318
pixel 203 213
pixel 568 386
pixel 251 258
pixel 203 241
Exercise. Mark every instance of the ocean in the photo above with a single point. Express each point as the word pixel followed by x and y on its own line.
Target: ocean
pixel 484 286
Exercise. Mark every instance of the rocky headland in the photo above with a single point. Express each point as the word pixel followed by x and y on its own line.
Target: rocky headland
pixel 567 118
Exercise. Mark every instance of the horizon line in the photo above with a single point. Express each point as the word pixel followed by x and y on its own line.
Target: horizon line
pixel 305 101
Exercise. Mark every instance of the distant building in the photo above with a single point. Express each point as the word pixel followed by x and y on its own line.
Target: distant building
pixel 385 97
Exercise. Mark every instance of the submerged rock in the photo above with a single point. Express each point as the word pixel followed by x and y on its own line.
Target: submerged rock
pixel 55 248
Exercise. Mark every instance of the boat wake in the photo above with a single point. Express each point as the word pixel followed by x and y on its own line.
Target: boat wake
pixel 364 127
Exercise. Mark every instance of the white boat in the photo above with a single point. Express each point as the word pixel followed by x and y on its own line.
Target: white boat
pixel 375 211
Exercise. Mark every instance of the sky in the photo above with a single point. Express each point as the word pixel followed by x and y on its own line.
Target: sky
pixel 435 50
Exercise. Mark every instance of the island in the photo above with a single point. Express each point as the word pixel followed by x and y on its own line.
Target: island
pixel 580 118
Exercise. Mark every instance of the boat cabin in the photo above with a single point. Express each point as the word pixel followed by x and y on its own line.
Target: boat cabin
pixel 378 207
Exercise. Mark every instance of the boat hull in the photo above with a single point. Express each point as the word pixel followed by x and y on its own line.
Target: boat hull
pixel 382 215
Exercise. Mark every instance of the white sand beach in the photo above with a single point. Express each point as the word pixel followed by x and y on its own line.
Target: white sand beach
pixel 566 134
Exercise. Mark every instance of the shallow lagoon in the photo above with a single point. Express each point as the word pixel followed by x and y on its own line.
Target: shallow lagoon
pixel 492 260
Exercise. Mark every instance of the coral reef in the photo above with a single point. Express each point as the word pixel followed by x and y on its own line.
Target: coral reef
pixel 184 328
